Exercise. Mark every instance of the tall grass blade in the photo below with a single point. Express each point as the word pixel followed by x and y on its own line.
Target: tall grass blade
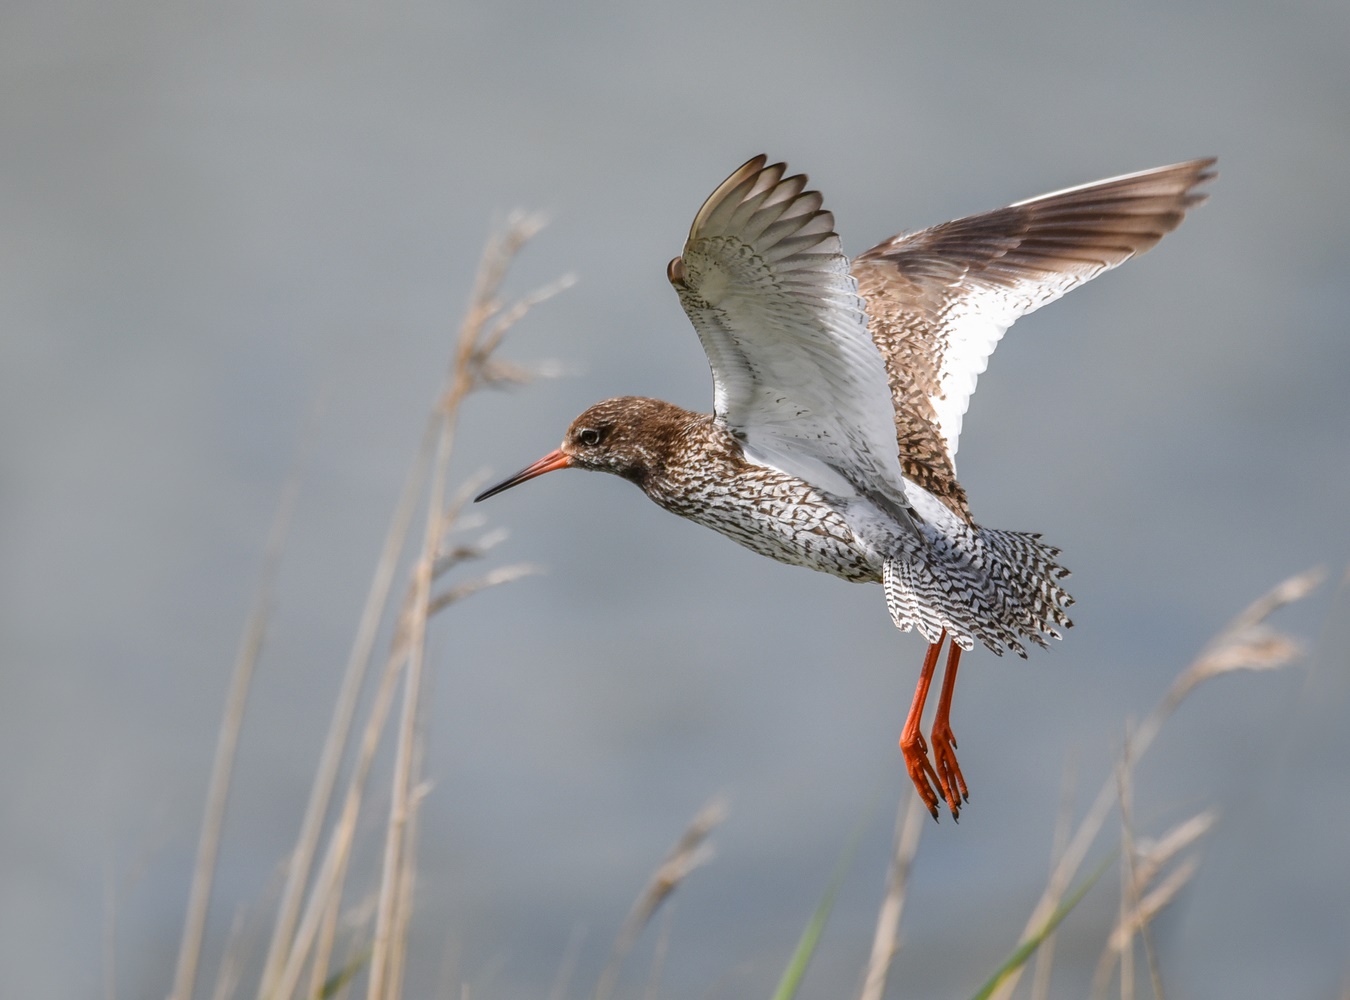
pixel 806 946
pixel 1028 947
pixel 335 983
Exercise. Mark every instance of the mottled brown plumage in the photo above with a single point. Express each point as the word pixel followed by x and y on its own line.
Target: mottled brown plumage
pixel 839 393
pixel 1004 264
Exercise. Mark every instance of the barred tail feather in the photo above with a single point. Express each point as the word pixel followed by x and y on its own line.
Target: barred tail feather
pixel 1033 600
pixel 1000 587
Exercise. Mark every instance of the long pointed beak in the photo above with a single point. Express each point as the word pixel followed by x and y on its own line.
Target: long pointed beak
pixel 553 460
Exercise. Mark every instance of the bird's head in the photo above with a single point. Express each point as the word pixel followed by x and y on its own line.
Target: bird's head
pixel 629 436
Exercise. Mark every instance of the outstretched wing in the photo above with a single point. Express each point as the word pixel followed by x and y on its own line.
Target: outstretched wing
pixel 797 378
pixel 940 299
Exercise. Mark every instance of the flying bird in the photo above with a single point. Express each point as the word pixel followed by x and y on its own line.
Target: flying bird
pixel 838 392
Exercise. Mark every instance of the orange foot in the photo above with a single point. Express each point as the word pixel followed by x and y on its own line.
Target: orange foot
pixel 921 771
pixel 949 776
pixel 912 744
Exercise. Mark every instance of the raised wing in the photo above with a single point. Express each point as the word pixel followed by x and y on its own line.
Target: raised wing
pixel 797 378
pixel 940 299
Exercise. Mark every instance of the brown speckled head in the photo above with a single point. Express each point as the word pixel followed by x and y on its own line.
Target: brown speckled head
pixel 630 436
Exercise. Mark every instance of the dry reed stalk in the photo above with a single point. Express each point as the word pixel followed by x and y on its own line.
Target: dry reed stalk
pixel 323 951
pixel 1136 918
pixel 313 926
pixel 1245 643
pixel 482 330
pixel 885 941
pixel 1129 883
pixel 401 804
pixel 402 919
pixel 327 888
pixel 1147 899
pixel 326 893
pixel 318 923
pixel 232 965
pixel 653 988
pixel 1155 854
pixel 568 966
pixel 227 740
pixel 690 851
pixel 339 728
pixel 383 976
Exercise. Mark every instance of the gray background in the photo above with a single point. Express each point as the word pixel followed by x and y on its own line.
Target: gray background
pixel 214 216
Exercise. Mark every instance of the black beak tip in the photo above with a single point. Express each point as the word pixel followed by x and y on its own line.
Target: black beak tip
pixel 551 461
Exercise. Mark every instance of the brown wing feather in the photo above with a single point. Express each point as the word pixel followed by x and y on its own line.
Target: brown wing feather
pixel 899 310
pixel 939 300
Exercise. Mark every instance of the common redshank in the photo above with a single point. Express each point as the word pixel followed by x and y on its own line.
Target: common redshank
pixel 821 366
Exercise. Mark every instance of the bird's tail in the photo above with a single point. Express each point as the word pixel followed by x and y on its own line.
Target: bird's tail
pixel 1000 587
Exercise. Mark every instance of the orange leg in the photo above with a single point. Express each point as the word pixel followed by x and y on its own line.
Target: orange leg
pixel 944 743
pixel 912 743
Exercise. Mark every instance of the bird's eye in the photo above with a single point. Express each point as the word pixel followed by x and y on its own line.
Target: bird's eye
pixel 588 436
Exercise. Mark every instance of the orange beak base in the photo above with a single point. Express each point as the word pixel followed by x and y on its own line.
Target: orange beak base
pixel 553 460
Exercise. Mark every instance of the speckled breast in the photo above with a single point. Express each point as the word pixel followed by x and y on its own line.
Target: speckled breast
pixel 774 514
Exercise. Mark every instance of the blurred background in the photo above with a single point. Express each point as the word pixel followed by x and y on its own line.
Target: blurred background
pixel 218 218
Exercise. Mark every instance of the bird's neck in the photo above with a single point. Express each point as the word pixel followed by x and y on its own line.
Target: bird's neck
pixel 696 449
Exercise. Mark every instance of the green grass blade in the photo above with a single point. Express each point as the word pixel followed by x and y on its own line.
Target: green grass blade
pixel 334 983
pixel 1028 947
pixel 806 945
